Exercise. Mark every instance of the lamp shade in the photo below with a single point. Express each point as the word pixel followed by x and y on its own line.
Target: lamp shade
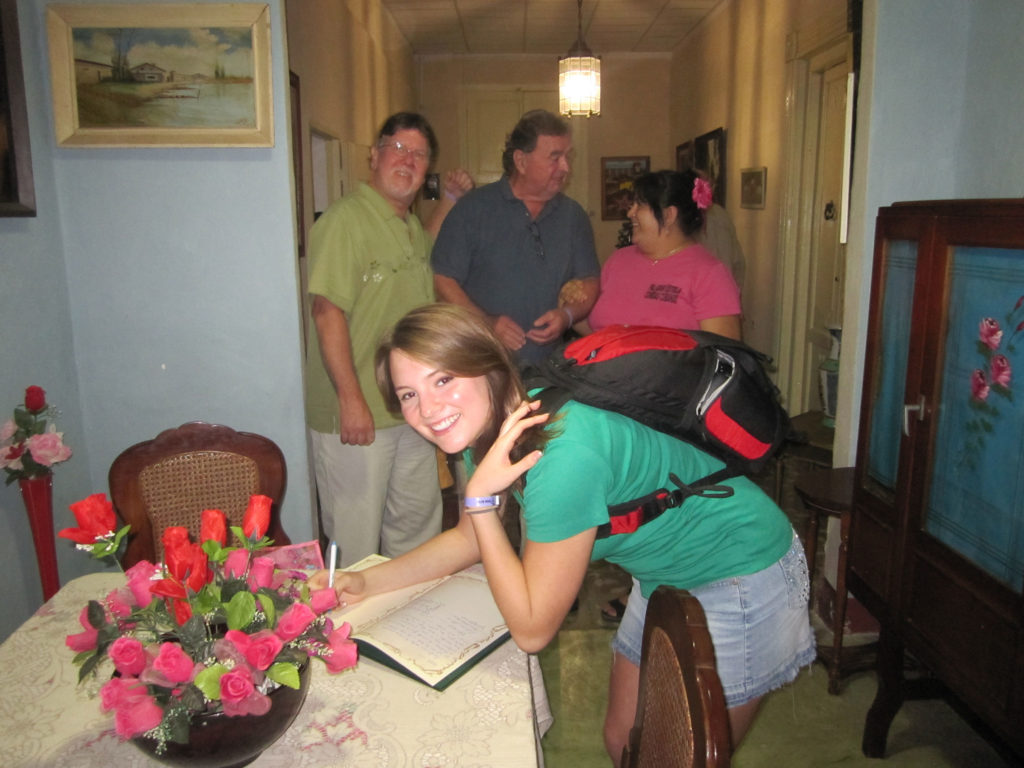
pixel 579 84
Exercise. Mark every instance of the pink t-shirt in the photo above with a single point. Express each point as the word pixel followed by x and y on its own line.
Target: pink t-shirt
pixel 677 292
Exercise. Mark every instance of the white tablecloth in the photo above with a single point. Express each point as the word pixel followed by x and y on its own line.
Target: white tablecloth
pixel 369 716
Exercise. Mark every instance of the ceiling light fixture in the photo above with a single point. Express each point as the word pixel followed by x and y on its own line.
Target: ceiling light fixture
pixel 579 76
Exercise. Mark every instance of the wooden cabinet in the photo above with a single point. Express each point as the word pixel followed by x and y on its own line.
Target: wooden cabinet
pixel 937 539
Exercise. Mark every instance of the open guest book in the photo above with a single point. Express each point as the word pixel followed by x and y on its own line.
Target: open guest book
pixel 433 632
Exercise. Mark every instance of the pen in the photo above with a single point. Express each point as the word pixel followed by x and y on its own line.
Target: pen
pixel 332 562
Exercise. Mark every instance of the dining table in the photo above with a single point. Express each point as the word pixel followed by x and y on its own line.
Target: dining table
pixel 368 716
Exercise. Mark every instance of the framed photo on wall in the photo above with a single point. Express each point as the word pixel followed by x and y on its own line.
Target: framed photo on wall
pixel 617 175
pixel 709 157
pixel 17 191
pixel 684 156
pixel 159 75
pixel 752 187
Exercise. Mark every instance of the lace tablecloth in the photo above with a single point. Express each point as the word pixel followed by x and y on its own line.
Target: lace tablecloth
pixel 369 716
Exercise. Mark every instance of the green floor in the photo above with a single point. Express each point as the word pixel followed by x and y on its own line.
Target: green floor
pixel 800 726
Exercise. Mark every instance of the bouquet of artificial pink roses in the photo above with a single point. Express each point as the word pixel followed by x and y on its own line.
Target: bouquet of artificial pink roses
pixel 29 446
pixel 212 629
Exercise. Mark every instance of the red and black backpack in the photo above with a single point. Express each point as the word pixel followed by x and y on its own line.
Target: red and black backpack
pixel 708 390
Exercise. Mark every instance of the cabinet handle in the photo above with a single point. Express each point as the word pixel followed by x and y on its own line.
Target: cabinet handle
pixel 908 409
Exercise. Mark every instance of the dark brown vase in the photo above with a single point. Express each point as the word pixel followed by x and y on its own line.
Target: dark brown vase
pixel 219 741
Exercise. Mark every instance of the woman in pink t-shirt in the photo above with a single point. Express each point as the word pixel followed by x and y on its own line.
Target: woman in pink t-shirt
pixel 666 277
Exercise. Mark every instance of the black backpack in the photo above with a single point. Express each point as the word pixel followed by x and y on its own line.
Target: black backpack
pixel 708 390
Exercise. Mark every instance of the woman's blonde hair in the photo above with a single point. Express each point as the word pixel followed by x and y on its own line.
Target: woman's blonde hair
pixel 453 339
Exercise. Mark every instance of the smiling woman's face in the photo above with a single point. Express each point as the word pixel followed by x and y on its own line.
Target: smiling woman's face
pixel 450 411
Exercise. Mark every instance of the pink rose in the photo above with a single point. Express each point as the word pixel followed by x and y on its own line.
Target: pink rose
pixel 83 641
pixel 343 652
pixel 135 711
pixel 261 573
pixel 117 603
pixel 141 577
pixel 263 649
pixel 48 448
pixel 323 600
pixel 128 655
pixel 174 663
pixel 7 430
pixel 236 563
pixel 239 697
pixel 35 399
pixel 293 622
pixel 1000 371
pixel 989 333
pixel 979 387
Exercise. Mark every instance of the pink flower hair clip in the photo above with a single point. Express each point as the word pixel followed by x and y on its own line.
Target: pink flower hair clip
pixel 702 193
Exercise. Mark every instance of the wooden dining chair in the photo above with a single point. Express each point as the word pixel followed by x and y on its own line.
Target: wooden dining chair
pixel 681 719
pixel 172 478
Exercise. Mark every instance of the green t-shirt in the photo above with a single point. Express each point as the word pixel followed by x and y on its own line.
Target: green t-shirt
pixel 375 267
pixel 600 458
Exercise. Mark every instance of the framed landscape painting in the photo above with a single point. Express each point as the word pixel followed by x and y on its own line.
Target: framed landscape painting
pixel 161 75
pixel 617 175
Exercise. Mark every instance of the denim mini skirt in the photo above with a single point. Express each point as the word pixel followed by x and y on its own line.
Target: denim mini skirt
pixel 759 624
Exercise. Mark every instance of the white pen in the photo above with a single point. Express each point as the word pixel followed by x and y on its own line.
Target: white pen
pixel 332 562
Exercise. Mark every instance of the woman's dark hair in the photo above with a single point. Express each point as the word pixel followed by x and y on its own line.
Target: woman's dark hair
pixel 403 121
pixel 662 189
pixel 450 338
pixel 532 125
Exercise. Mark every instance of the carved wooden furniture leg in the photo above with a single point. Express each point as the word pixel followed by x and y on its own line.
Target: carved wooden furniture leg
pixel 890 695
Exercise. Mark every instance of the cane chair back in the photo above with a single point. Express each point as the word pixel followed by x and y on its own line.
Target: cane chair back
pixel 681 718
pixel 172 478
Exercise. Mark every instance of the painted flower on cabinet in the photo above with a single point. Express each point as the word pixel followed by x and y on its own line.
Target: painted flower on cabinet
pixel 993 378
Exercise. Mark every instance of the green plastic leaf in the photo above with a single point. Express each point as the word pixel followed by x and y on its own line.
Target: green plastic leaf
pixel 241 610
pixel 268 608
pixel 285 674
pixel 208 681
pixel 96 615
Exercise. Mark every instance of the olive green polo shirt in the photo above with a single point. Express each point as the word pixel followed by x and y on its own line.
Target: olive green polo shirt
pixel 375 267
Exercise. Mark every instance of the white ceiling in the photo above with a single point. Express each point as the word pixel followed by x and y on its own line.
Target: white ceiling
pixel 545 26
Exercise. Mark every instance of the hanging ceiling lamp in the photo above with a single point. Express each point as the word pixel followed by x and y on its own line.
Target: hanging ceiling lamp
pixel 579 76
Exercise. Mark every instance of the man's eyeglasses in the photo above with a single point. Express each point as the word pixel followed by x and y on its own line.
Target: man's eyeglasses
pixel 420 155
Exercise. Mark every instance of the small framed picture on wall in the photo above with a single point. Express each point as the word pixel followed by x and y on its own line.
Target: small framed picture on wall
pixel 752 187
pixel 617 176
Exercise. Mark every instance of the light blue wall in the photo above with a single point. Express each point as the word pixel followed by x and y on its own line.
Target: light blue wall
pixel 156 286
pixel 940 107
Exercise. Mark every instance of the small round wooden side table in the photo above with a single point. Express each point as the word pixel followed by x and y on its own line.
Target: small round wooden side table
pixel 829 493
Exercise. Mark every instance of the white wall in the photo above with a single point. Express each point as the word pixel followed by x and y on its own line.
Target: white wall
pixel 156 286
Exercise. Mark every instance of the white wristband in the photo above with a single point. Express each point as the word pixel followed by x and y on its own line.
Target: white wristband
pixel 476 504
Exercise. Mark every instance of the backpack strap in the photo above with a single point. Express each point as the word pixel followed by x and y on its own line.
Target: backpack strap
pixel 628 516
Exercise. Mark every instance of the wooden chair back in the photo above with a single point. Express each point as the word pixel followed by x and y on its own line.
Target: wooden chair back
pixel 172 478
pixel 681 718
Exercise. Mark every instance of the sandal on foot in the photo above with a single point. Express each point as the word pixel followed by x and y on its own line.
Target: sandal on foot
pixel 613 610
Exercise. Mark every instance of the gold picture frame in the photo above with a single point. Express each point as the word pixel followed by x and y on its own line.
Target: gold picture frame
pixel 161 75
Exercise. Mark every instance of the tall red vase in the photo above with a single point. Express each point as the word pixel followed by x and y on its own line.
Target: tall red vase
pixel 37 493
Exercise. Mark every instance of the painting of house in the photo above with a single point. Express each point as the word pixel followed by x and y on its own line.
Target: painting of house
pixel 148 73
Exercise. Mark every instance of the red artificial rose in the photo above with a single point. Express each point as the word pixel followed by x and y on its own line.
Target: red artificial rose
pixel 323 599
pixel 236 564
pixel 262 649
pixel 177 551
pixel 214 527
pixel 140 578
pixel 35 399
pixel 261 573
pixel 239 697
pixel 257 516
pixel 96 519
pixel 343 651
pixel 199 572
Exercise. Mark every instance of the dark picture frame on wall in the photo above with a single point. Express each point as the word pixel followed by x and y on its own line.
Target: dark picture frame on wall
pixel 684 156
pixel 17 191
pixel 709 157
pixel 617 176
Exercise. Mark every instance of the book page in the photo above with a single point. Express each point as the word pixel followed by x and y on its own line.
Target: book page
pixel 431 629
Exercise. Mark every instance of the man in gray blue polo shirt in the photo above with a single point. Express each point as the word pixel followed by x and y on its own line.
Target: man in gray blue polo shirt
pixel 507 248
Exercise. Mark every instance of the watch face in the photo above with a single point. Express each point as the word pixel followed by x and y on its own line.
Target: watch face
pixel 432 187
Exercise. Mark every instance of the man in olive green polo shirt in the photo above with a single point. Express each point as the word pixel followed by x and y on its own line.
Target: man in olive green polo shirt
pixel 369 264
